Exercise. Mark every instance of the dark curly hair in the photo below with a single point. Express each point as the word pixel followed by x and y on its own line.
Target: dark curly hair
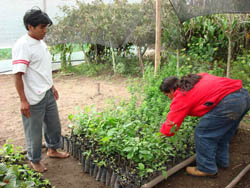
pixel 186 83
pixel 35 16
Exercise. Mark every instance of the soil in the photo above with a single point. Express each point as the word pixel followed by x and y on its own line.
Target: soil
pixel 78 92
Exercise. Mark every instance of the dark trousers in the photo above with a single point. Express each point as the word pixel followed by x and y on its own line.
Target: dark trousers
pixel 44 116
pixel 216 128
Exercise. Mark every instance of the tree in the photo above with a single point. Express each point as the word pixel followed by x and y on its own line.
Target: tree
pixel 230 25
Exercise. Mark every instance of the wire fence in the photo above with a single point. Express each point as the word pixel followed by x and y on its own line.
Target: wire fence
pixel 76 59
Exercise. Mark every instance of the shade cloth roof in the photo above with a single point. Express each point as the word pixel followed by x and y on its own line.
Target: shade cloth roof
pixel 186 9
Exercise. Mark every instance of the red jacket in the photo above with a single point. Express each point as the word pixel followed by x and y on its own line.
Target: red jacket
pixel 210 89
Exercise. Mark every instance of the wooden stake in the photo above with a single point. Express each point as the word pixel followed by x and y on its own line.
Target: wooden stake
pixel 98 89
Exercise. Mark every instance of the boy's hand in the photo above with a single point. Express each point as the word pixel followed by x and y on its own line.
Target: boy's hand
pixel 25 109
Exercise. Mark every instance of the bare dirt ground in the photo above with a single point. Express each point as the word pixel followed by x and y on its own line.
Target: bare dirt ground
pixel 78 91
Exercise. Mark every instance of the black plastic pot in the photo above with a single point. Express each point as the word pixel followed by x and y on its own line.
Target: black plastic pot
pixel 103 175
pixel 71 147
pixel 108 177
pixel 77 149
pixel 131 186
pixel 80 155
pixel 91 168
pixel 83 163
pixel 68 144
pixel 65 144
pixel 99 173
pixel 87 165
pixel 74 150
pixel 113 179
pixel 62 145
pixel 116 176
pixel 117 182
pixel 80 152
pixel 95 171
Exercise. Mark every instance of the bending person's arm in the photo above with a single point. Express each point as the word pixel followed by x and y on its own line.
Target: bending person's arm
pixel 176 115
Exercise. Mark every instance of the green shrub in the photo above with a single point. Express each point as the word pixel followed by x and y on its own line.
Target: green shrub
pixel 241 69
pixel 5 53
pixel 89 70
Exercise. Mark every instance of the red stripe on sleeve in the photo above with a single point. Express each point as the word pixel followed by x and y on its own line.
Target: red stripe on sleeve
pixel 21 62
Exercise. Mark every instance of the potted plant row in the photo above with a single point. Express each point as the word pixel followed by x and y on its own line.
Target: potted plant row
pixel 127 155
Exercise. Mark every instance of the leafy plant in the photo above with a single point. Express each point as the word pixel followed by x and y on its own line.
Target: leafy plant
pixel 10 154
pixel 15 173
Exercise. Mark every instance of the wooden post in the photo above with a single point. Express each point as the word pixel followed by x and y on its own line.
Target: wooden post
pixel 178 62
pixel 98 89
pixel 158 36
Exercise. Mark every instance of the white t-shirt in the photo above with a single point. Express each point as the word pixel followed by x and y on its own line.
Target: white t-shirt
pixel 32 57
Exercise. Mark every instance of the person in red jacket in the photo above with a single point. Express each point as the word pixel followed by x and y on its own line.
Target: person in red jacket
pixel 221 102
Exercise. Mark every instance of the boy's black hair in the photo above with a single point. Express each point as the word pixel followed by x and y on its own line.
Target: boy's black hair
pixel 35 16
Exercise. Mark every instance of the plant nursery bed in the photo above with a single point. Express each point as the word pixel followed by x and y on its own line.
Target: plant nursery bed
pixel 118 174
pixel 239 155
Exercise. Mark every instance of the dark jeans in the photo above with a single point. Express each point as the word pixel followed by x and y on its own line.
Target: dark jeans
pixel 216 128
